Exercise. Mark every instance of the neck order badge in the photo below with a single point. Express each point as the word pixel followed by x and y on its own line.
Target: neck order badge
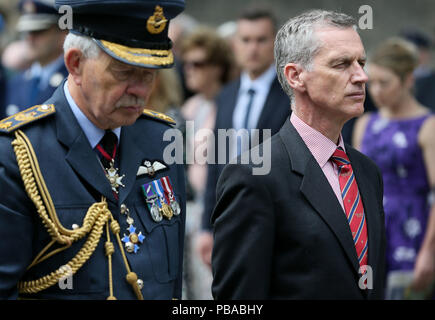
pixel 107 150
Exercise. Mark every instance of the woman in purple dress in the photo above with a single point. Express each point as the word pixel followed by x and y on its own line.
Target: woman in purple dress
pixel 400 139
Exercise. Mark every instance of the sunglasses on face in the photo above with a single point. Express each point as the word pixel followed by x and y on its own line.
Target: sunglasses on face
pixel 195 64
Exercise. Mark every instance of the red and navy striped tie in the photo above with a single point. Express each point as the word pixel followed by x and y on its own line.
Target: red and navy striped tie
pixel 352 204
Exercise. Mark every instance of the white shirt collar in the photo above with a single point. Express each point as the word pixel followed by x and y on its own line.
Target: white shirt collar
pixel 262 83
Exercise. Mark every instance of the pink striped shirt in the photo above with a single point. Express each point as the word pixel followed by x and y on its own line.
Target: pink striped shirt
pixel 322 149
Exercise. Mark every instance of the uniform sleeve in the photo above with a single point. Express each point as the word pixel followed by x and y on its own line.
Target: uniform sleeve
pixel 16 225
pixel 244 228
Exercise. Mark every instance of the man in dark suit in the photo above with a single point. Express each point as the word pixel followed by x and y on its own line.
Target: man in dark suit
pixel 425 90
pixel 253 101
pixel 44 39
pixel 89 209
pixel 313 228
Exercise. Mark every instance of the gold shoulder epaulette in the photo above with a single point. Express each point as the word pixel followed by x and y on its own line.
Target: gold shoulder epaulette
pixel 22 118
pixel 159 116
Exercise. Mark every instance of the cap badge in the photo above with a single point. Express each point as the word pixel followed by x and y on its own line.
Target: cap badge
pixel 157 22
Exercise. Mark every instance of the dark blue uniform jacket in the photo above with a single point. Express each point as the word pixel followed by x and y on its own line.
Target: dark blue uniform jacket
pixel 75 180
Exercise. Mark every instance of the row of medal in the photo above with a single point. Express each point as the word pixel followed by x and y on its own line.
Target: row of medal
pixel 161 199
pixel 161 202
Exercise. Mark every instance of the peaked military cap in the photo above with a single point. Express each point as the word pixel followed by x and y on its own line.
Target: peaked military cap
pixel 36 15
pixel 132 31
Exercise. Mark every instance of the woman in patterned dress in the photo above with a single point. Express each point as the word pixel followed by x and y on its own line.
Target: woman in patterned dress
pixel 400 139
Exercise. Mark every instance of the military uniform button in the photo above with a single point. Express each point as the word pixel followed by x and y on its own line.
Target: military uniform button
pixel 140 284
pixel 123 208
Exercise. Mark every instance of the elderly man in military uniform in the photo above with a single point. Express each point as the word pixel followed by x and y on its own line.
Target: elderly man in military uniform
pixel 89 209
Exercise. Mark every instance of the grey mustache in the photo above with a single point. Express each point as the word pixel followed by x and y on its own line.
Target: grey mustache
pixel 126 101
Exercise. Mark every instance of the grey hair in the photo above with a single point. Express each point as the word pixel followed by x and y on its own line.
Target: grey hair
pixel 85 44
pixel 295 42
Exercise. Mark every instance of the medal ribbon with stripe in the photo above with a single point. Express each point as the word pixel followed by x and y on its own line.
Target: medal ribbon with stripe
pixel 106 150
pixel 169 191
pixel 164 202
pixel 353 204
pixel 105 154
pixel 161 190
pixel 148 190
pixel 167 185
pixel 158 191
pixel 152 201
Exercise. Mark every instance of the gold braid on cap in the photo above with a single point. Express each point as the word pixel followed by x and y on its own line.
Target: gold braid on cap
pixel 139 55
pixel 96 217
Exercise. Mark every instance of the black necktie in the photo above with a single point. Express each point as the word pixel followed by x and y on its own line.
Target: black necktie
pixel 107 148
pixel 251 93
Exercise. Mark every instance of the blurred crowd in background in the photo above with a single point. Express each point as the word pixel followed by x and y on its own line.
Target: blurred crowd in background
pixel 224 77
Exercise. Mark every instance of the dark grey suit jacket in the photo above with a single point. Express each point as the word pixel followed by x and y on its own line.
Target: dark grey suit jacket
pixel 285 236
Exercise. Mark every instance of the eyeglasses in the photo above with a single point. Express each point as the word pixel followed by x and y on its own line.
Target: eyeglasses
pixel 195 64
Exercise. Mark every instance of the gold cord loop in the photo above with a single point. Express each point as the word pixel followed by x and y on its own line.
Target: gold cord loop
pixel 97 215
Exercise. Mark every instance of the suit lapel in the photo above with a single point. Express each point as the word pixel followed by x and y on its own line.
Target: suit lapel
pixel 85 162
pixel 228 106
pixel 269 105
pixel 80 155
pixel 131 157
pixel 317 190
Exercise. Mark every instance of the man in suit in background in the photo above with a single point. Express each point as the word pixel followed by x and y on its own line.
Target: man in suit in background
pixel 254 100
pixel 313 228
pixel 38 23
